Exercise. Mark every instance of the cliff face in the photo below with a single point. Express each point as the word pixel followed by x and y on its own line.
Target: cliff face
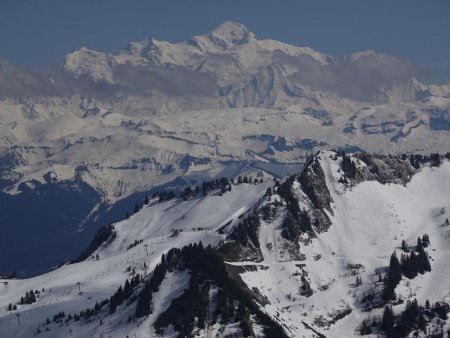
pixel 314 186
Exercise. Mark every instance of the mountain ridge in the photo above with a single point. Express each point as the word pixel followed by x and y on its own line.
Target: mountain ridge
pixel 370 213
pixel 132 124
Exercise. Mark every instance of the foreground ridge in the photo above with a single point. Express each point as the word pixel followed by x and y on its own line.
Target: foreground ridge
pixel 349 245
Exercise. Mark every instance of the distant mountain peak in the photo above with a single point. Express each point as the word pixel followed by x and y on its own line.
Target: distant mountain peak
pixel 229 34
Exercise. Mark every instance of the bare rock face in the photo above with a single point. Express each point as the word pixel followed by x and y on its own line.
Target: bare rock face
pixel 385 169
pixel 312 181
pixel 242 243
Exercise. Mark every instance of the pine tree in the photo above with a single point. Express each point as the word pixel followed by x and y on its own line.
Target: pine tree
pixel 421 322
pixel 435 160
pixel 244 324
pixel 112 304
pixel 395 270
pixel 305 288
pixel 143 306
pixel 441 310
pixel 393 277
pixel 127 289
pixel 136 208
pixel 425 240
pixel 158 276
pixel 388 321
pixel 365 328
pixel 404 247
pixel 419 245
pixel 187 193
pixel 32 297
pixel 119 295
pixel 389 291
pixel 424 262
pixel 410 265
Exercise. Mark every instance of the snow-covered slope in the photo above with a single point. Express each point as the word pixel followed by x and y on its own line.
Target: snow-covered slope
pixel 351 218
pixel 369 221
pixel 128 120
pixel 221 104
pixel 195 220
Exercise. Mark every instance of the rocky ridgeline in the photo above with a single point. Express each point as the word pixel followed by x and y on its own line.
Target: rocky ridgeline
pixel 308 202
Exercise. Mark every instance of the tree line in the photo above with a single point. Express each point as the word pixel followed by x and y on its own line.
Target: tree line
pixel 190 310
pixel 413 318
pixel 105 234
pixel 410 265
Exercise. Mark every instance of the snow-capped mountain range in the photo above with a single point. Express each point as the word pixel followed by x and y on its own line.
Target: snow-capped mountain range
pixel 223 96
pixel 216 105
pixel 304 258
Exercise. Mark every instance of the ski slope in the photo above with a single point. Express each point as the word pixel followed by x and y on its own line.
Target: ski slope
pixel 99 279
pixel 369 221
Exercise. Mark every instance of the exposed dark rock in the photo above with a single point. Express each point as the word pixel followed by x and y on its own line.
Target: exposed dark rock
pixel 242 243
pixel 313 184
pixel 384 169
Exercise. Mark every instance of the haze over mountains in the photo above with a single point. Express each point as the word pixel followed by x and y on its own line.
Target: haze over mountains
pixel 105 126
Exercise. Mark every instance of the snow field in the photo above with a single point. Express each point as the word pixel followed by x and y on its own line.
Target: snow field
pixel 99 279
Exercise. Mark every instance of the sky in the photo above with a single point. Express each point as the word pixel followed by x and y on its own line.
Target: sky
pixel 38 33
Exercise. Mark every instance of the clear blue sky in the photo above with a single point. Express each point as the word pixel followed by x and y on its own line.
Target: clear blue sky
pixel 34 33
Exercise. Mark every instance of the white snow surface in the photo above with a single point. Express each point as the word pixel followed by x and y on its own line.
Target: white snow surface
pixel 369 221
pixel 133 142
pixel 100 278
